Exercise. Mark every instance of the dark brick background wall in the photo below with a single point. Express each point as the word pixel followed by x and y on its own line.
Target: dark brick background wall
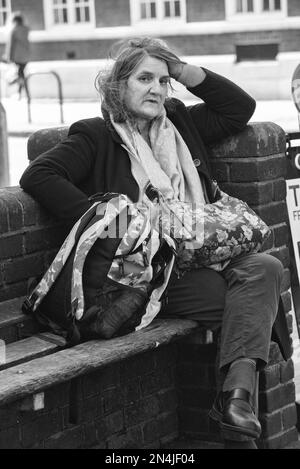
pixel 29 239
pixel 197 389
pixel 132 404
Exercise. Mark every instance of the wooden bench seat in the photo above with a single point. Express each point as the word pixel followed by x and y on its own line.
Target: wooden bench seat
pixel 40 373
pixel 21 338
pixel 15 325
pixel 32 361
pixel 35 346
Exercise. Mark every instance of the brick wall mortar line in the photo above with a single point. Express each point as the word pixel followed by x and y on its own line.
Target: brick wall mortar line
pixel 249 159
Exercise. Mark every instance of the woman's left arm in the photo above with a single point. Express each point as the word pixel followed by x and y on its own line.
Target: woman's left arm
pixel 226 108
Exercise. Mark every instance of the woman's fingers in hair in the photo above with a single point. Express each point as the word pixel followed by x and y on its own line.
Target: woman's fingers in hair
pixel 175 68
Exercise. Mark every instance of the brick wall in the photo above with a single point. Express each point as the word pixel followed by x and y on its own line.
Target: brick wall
pixel 112 13
pixel 33 11
pixel 254 170
pixel 79 50
pixel 197 388
pixel 132 404
pixel 212 10
pixel 29 239
pixel 278 414
pixel 293 8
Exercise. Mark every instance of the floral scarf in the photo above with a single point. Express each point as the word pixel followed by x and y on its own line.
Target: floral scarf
pixel 167 164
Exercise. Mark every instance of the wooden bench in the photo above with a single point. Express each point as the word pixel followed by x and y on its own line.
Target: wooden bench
pixel 145 389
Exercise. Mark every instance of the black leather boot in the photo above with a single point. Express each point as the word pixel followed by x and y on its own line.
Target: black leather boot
pixel 234 413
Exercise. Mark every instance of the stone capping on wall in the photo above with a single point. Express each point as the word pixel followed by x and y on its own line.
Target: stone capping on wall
pixel 256 140
pixel 40 374
pixel 44 139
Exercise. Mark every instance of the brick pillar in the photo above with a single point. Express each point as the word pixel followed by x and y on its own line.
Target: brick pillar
pixel 197 386
pixel 29 240
pixel 252 166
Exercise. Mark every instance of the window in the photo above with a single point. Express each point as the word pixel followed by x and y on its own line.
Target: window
pixel 5 11
pixel 172 9
pixel 60 11
pixel 69 12
pixel 244 6
pixel 271 5
pixel 255 9
pixel 148 10
pixel 82 11
pixel 159 10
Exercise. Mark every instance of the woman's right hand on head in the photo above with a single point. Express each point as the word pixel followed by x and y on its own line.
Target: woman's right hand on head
pixel 175 69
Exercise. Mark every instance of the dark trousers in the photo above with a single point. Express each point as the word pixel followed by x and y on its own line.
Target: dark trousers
pixel 21 68
pixel 21 78
pixel 242 299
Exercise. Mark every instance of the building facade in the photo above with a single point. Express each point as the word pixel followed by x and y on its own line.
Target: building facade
pixel 222 32
pixel 84 29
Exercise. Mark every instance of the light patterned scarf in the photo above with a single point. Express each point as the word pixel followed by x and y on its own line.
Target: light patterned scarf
pixel 167 164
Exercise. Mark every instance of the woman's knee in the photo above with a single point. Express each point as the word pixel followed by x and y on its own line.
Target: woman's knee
pixel 270 265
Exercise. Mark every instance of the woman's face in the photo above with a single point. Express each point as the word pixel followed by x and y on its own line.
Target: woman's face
pixel 146 89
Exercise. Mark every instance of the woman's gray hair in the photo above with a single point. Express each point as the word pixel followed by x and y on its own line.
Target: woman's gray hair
pixel 127 55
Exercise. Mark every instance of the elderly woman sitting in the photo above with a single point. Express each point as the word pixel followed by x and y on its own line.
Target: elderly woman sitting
pixel 144 136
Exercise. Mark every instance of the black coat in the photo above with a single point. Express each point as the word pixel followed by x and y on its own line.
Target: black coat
pixel 92 159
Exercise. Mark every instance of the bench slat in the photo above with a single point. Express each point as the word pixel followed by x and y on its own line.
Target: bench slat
pixel 38 374
pixel 11 313
pixel 15 325
pixel 30 348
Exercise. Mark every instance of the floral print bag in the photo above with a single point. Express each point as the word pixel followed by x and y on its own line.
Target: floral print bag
pixel 210 235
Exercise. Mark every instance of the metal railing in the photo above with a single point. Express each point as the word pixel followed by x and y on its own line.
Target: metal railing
pixel 59 87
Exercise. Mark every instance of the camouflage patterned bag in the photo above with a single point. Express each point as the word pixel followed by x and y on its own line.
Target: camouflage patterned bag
pixel 108 276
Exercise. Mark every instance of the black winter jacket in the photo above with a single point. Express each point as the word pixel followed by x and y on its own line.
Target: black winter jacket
pixel 92 159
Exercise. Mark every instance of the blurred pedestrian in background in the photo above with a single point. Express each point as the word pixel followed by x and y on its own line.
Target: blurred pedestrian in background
pixel 17 50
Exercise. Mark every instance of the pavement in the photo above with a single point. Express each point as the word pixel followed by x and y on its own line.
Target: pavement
pixel 44 113
pixel 47 113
